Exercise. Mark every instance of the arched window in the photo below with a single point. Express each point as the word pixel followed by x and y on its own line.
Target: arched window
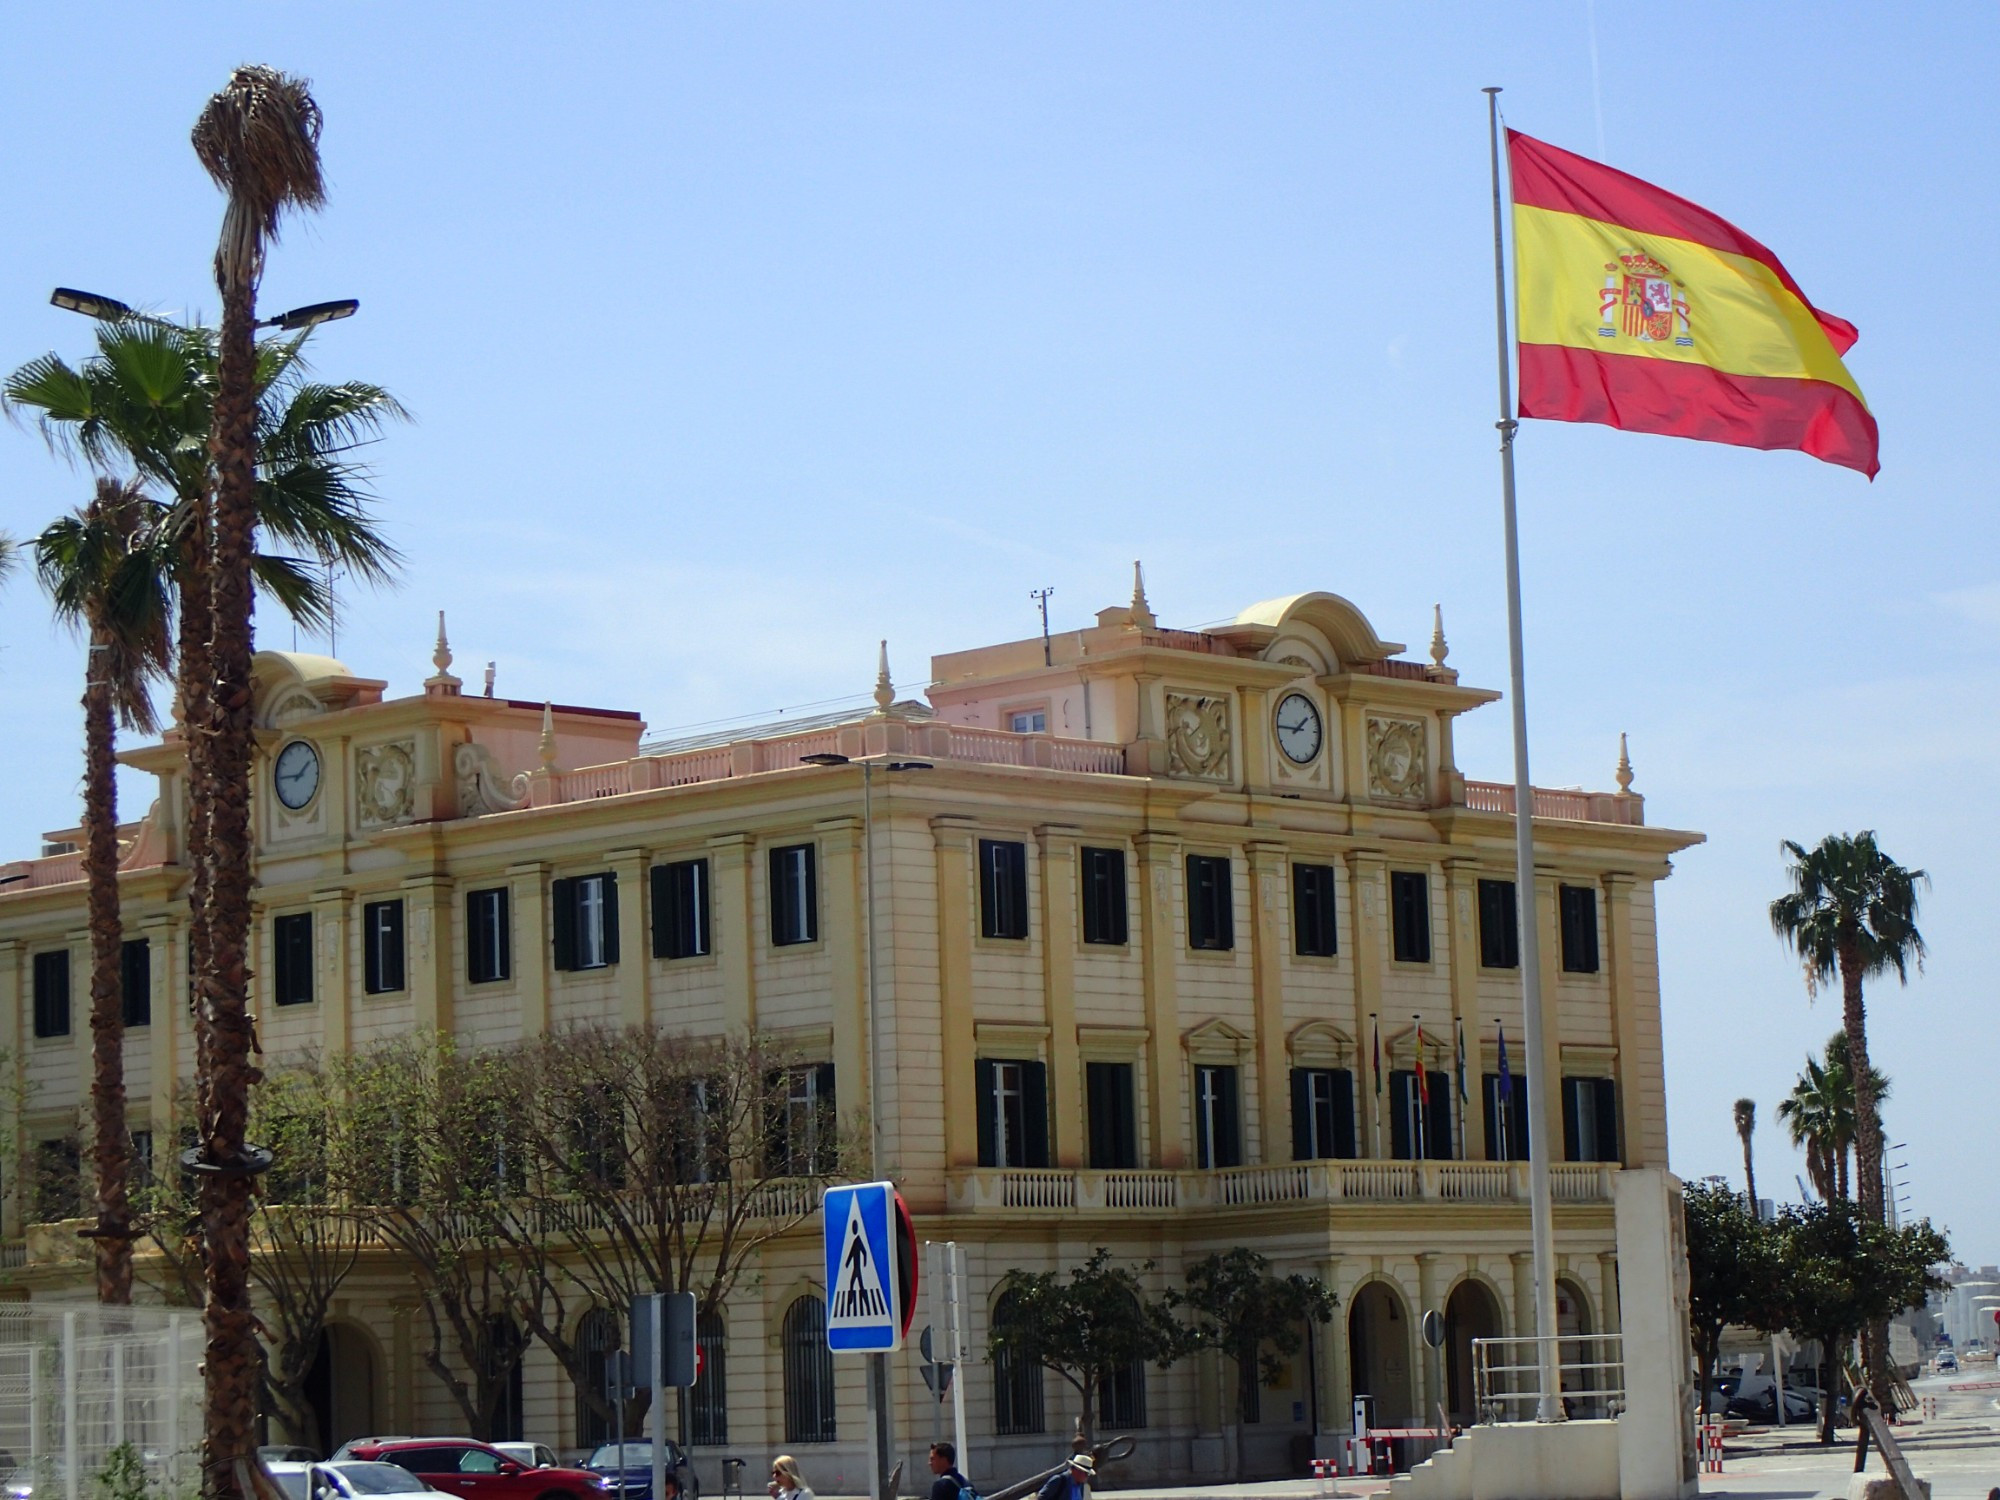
pixel 1017 1386
pixel 708 1404
pixel 808 1373
pixel 1121 1398
pixel 596 1336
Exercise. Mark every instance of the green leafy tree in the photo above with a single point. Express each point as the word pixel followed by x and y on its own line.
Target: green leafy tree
pixel 1733 1271
pixel 101 570
pixel 1843 1272
pixel 1236 1306
pixel 1087 1326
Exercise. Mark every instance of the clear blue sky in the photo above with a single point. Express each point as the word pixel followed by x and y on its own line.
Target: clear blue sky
pixel 741 335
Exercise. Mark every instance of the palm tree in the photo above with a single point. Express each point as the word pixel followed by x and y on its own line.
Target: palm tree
pixel 259 139
pixel 100 573
pixel 1746 1124
pixel 1819 1116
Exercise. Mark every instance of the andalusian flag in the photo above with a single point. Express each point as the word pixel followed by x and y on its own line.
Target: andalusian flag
pixel 1642 311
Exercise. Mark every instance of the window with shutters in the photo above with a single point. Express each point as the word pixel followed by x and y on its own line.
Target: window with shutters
pixel 58 1184
pixel 52 993
pixel 489 944
pixel 794 896
pixel 292 955
pixel 708 1402
pixel 1218 1137
pixel 1017 1384
pixel 585 911
pixel 1322 1114
pixel 1013 1112
pixel 808 1373
pixel 1506 1117
pixel 1114 1115
pixel 1410 915
pixel 680 909
pixel 1102 874
pixel 1211 915
pixel 1420 1115
pixel 135 982
pixel 1579 928
pixel 1315 928
pixel 1003 889
pixel 1499 926
pixel 801 1138
pixel 1590 1119
pixel 382 947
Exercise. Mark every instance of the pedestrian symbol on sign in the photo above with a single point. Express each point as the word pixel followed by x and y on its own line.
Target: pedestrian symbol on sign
pixel 860 1296
pixel 871 1261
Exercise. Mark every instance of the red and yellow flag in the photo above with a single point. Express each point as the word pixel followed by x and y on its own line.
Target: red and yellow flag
pixel 1642 311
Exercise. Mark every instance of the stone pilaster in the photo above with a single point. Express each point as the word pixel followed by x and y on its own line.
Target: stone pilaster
pixel 732 865
pixel 1059 921
pixel 959 1043
pixel 635 949
pixel 1268 886
pixel 528 898
pixel 1368 900
pixel 1159 947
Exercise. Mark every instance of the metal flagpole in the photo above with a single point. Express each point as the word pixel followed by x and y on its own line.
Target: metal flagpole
pixel 1541 1215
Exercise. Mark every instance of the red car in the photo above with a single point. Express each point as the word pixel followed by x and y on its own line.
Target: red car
pixel 476 1471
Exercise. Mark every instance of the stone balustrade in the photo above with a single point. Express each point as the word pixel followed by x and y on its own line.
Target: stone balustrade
pixel 1030 1190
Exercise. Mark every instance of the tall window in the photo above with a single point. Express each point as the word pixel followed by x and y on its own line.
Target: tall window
pixel 1579 928
pixel 292 944
pixel 1322 1113
pixel 1017 1386
pixel 509 1418
pixel 1121 1398
pixel 680 909
pixel 489 944
pixel 1103 881
pixel 52 993
pixel 135 982
pixel 808 1373
pixel 1315 927
pixel 1013 1112
pixel 382 947
pixel 794 896
pixel 708 1402
pixel 1506 1118
pixel 586 921
pixel 801 1138
pixel 1029 721
pixel 140 1173
pixel 1590 1119
pixel 1218 1140
pixel 1499 926
pixel 1410 915
pixel 1420 1115
pixel 1114 1116
pixel 1211 916
pixel 1003 889
pixel 596 1337
pixel 58 1180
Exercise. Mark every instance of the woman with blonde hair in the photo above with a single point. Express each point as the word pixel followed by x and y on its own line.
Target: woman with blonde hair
pixel 785 1482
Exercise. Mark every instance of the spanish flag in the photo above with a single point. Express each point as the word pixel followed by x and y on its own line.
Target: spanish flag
pixel 1642 311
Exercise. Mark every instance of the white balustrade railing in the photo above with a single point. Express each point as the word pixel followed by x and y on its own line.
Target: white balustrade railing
pixel 1148 1191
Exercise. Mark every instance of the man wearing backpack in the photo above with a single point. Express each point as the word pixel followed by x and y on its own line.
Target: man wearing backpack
pixel 949 1484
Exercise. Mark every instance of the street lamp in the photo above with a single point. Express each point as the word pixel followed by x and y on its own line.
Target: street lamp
pixel 111 310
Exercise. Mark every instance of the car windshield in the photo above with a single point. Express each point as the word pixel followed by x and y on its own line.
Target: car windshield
pixel 635 1456
pixel 292 1481
pixel 380 1479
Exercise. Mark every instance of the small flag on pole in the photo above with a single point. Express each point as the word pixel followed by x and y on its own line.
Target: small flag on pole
pixel 1506 1078
pixel 1640 310
pixel 1463 1097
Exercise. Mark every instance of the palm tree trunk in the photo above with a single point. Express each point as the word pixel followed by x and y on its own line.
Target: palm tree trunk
pixel 1867 1161
pixel 1750 1176
pixel 231 1364
pixel 111 1146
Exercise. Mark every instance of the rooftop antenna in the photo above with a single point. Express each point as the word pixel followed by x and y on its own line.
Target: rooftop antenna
pixel 490 668
pixel 1041 597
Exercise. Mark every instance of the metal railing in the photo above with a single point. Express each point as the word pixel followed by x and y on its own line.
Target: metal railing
pixel 1507 1376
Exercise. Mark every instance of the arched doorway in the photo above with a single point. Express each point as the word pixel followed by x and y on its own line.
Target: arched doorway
pixel 1471 1312
pixel 1573 1327
pixel 340 1388
pixel 1378 1352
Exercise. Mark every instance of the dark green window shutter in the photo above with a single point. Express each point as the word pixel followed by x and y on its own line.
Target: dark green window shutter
pixel 1343 1114
pixel 1035 1114
pixel 829 1118
pixel 1572 1120
pixel 983 1088
pixel 1302 1132
pixel 135 982
pixel 1228 1127
pixel 1499 926
pixel 562 908
pixel 661 882
pixel 1607 1120
pixel 1437 1115
pixel 610 879
pixel 1402 1090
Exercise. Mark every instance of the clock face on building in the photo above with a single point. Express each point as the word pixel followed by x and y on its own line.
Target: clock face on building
pixel 295 776
pixel 1299 729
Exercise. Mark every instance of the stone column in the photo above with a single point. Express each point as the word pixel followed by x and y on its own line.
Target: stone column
pixel 1059 938
pixel 843 930
pixel 1267 973
pixel 1524 1294
pixel 430 903
pixel 1336 1382
pixel 1433 1384
pixel 169 989
pixel 528 898
pixel 1368 900
pixel 635 950
pixel 1462 904
pixel 732 865
pixel 1159 948
pixel 1550 1062
pixel 1639 1090
pixel 1612 1319
pixel 958 1042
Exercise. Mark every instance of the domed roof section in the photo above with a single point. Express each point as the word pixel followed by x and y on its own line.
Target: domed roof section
pixel 1332 620
pixel 288 685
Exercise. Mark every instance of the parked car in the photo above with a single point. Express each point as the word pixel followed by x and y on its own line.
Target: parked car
pixel 288 1453
pixel 628 1472
pixel 534 1455
pixel 1762 1406
pixel 476 1471
pixel 345 1480
pixel 1947 1363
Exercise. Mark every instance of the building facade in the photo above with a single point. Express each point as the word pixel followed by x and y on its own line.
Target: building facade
pixel 1156 920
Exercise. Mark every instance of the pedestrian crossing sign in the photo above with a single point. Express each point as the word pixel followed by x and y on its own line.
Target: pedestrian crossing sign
pixel 870 1268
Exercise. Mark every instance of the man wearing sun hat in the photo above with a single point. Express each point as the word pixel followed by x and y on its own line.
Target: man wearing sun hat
pixel 1073 1483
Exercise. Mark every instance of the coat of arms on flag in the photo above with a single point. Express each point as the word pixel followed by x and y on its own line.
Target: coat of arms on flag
pixel 1652 306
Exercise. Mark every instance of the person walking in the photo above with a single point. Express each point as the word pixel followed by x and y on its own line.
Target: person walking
pixel 1073 1483
pixel 785 1481
pixel 950 1484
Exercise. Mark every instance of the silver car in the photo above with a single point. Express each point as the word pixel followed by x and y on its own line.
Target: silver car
pixel 346 1479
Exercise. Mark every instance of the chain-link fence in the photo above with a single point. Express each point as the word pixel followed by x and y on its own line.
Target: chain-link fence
pixel 92 1398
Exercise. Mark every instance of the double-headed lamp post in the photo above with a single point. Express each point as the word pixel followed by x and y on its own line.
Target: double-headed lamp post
pixel 111 310
pixel 881 1410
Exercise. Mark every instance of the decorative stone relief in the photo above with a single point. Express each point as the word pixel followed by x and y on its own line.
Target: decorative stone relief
pixel 1397 759
pixel 482 788
pixel 1198 736
pixel 385 783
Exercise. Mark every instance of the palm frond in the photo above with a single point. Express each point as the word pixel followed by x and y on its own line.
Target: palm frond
pixel 297 585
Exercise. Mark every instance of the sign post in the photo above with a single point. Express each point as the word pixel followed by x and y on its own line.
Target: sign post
pixel 871 1296
pixel 663 1359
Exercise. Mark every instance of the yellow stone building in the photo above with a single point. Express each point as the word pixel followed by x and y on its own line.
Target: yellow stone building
pixel 1158 916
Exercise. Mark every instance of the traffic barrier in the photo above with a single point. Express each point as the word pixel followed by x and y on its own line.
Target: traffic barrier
pixel 1975 1385
pixel 1710 1446
pixel 1928 1405
pixel 1327 1472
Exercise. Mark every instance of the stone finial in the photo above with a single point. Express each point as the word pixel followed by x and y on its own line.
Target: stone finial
pixel 546 751
pixel 1624 768
pixel 1439 650
pixel 1142 612
pixel 885 690
pixel 441 681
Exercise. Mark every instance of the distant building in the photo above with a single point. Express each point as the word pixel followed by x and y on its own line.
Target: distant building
pixel 1161 923
pixel 1966 1311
